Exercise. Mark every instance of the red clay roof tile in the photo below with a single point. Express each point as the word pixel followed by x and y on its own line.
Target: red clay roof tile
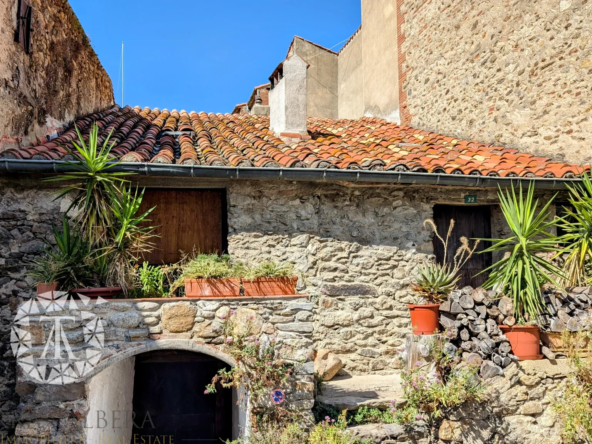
pixel 179 137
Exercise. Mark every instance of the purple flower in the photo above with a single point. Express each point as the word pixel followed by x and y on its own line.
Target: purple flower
pixel 232 311
pixel 327 418
pixel 256 341
pixel 229 340
pixel 419 417
pixel 222 316
pixel 268 362
pixel 418 364
pixel 272 340
pixel 205 392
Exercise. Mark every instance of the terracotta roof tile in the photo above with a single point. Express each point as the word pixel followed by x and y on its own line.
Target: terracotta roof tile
pixel 179 137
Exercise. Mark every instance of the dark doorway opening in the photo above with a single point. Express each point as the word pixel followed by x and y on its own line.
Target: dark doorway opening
pixel 472 222
pixel 169 399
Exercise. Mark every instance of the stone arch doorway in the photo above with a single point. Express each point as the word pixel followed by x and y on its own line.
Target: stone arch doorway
pixel 169 402
pixel 157 394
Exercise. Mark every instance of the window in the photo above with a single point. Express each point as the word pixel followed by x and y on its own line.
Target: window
pixel 473 222
pixel 186 220
pixel 24 21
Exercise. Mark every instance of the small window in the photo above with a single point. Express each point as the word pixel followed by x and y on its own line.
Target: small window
pixel 24 21
pixel 472 222
pixel 186 220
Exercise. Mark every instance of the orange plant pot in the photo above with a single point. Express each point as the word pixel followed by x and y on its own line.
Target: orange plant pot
pixel 425 319
pixel 525 341
pixel 270 286
pixel 212 288
pixel 45 287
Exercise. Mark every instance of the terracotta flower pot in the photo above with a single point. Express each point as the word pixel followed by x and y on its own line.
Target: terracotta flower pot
pixel 94 293
pixel 213 288
pixel 44 287
pixel 525 341
pixel 425 318
pixel 283 286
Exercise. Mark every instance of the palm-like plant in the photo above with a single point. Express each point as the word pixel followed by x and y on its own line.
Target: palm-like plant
pixel 523 271
pixel 577 237
pixel 130 236
pixel 92 184
pixel 66 263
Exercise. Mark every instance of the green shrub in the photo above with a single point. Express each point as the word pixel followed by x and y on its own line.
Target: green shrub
pixel 151 281
pixel 269 269
pixel 573 406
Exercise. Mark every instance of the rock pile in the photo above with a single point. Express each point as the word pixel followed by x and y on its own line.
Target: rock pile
pixel 472 318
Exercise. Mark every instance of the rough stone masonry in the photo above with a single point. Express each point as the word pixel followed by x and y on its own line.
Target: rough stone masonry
pixel 355 249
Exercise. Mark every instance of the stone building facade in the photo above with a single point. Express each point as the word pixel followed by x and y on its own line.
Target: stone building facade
pixel 513 73
pixel 59 80
pixel 354 247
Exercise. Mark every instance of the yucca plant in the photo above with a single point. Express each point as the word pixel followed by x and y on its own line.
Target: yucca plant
pixel 92 184
pixel 129 236
pixel 435 281
pixel 577 237
pixel 523 271
pixel 66 262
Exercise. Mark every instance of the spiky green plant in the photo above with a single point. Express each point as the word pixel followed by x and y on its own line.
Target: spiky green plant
pixel 130 236
pixel 66 263
pixel 91 184
pixel 577 237
pixel 524 270
pixel 436 281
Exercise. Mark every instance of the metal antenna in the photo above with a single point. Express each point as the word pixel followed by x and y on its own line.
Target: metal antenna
pixel 122 75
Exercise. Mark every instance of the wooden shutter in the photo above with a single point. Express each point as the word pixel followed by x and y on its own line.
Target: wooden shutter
pixel 473 222
pixel 24 25
pixel 186 220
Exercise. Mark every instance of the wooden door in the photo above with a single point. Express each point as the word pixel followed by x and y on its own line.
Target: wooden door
pixel 186 220
pixel 473 222
pixel 169 399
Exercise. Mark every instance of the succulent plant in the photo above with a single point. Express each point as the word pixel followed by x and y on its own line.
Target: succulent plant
pixel 435 281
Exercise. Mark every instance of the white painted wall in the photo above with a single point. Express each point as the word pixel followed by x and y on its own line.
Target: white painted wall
pixel 110 398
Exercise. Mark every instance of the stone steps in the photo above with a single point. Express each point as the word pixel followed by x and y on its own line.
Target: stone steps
pixel 352 392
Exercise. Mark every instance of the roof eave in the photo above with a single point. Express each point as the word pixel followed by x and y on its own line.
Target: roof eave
pixel 11 166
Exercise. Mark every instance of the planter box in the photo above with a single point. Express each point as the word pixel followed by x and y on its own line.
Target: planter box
pixel 94 293
pixel 555 343
pixel 270 286
pixel 212 288
pixel 44 287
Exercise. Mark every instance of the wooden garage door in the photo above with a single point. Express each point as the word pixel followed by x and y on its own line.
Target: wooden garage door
pixel 186 219
pixel 473 222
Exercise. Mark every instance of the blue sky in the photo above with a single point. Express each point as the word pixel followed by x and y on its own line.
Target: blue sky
pixel 205 55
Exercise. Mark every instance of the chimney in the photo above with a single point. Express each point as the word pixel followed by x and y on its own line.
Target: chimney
pixel 287 99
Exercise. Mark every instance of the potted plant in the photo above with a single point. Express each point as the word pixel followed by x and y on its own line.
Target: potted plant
pixel 435 281
pixel 270 279
pixel 65 265
pixel 210 275
pixel 106 215
pixel 524 270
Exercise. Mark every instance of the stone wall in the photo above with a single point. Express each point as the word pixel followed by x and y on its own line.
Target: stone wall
pixel 355 248
pixel 131 328
pixel 26 215
pixel 61 79
pixel 512 73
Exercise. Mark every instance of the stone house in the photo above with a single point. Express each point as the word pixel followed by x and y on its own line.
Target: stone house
pixel 344 200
